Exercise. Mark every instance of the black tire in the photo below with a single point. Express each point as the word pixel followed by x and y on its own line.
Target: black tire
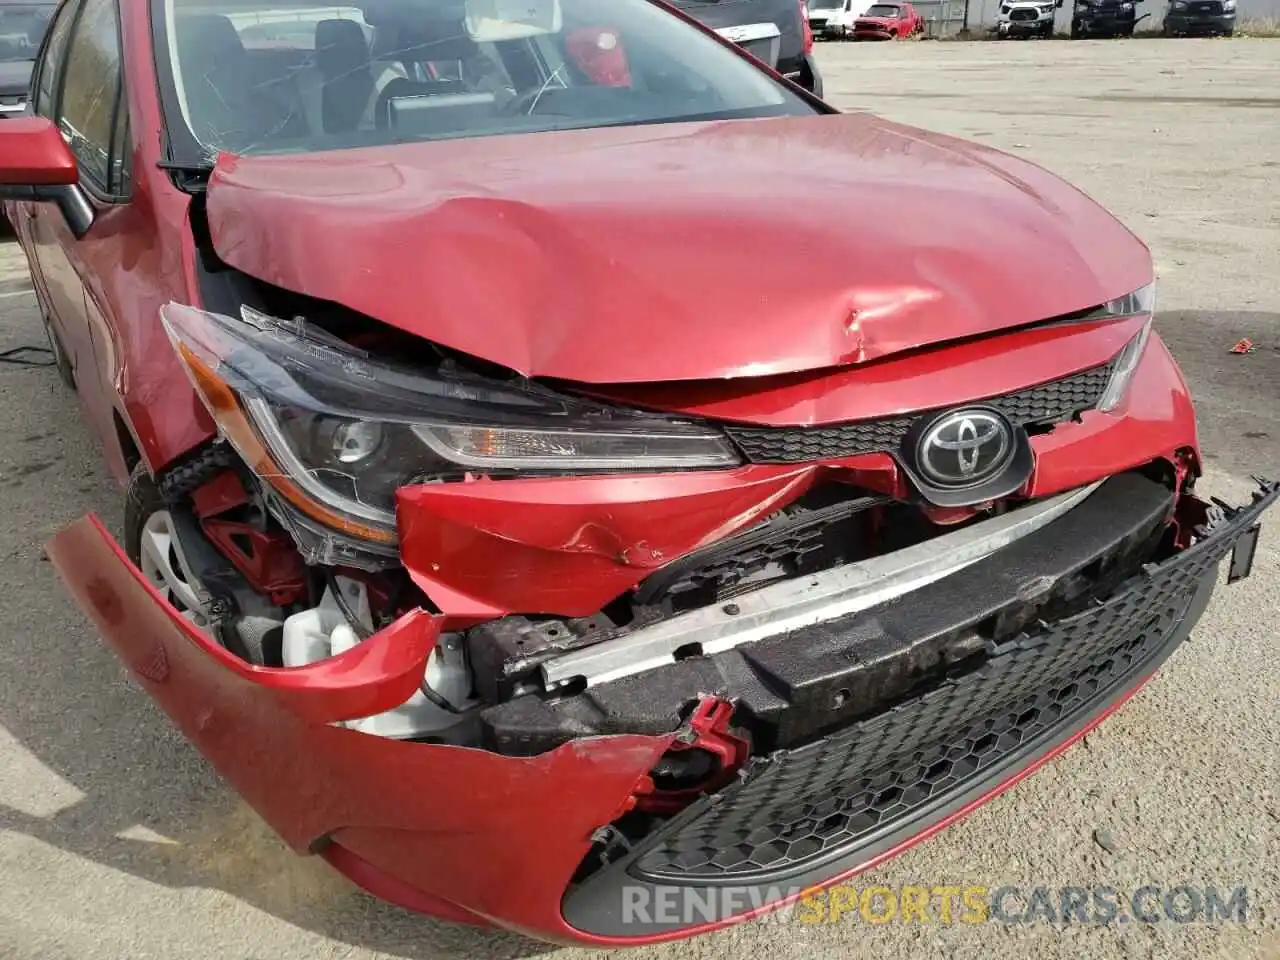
pixel 61 362
pixel 142 500
pixel 1076 30
pixel 1229 32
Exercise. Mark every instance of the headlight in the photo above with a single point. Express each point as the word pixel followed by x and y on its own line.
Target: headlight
pixel 1140 302
pixel 335 432
pixel 1229 6
pixel 1178 5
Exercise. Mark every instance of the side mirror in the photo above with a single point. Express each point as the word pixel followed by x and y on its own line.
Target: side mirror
pixel 37 165
pixel 1058 4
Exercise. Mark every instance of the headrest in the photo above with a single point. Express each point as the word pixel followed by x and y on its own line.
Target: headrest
pixel 340 46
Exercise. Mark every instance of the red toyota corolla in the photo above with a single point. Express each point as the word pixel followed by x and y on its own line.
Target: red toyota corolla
pixel 578 482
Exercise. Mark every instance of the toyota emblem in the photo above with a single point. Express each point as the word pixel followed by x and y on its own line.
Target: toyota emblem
pixel 963 448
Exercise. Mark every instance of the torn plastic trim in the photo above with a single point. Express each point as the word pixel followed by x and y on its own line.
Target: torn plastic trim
pixel 370 678
pixel 806 601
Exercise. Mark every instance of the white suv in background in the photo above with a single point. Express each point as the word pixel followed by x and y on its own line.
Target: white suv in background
pixel 1026 18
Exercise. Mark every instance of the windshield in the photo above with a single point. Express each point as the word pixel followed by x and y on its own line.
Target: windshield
pixel 22 28
pixel 887 10
pixel 271 76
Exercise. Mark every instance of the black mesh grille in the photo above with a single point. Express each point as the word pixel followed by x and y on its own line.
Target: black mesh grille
pixel 797 809
pixel 1047 403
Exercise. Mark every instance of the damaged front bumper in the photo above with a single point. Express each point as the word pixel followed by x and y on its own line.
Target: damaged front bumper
pixel 532 843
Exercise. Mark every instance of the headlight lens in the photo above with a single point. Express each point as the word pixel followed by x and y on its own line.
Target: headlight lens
pixel 336 432
pixel 1139 303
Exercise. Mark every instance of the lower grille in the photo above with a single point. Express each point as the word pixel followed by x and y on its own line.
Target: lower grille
pixel 799 809
pixel 1047 403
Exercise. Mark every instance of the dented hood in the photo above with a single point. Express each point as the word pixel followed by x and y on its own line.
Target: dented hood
pixel 677 251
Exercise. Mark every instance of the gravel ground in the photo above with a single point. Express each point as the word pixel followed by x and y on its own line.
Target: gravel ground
pixel 117 841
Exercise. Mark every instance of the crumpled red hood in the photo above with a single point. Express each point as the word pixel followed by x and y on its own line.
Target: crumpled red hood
pixel 678 251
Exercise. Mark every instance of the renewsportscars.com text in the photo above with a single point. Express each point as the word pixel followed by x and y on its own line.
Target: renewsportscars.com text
pixel 942 904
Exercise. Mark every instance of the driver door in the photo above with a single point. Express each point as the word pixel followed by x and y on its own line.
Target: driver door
pixel 81 89
pixel 36 227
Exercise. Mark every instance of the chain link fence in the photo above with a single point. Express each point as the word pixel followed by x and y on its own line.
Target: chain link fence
pixel 942 18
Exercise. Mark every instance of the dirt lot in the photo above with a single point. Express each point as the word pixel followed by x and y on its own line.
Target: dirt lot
pixel 116 841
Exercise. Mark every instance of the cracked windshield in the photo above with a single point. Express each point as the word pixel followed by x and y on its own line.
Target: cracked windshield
pixel 22 27
pixel 276 77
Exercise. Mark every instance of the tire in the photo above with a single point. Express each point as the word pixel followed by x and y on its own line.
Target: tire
pixel 145 514
pixel 61 362
pixel 1076 30
pixel 1229 32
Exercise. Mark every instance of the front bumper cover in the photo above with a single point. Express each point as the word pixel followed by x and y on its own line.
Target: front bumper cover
pixel 479 837
pixel 797 818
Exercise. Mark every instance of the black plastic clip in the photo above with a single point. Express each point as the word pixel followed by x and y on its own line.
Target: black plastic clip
pixel 1242 553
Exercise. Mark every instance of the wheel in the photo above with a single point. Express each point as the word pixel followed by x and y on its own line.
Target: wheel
pixel 1077 31
pixel 61 362
pixel 1229 32
pixel 151 544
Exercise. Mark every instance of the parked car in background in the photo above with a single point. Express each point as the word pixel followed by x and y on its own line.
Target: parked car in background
pixel 22 28
pixel 1026 18
pixel 775 31
pixel 1200 17
pixel 833 19
pixel 1104 18
pixel 888 21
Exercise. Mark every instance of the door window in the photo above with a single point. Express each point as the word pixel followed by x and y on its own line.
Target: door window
pixel 121 152
pixel 50 66
pixel 91 89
